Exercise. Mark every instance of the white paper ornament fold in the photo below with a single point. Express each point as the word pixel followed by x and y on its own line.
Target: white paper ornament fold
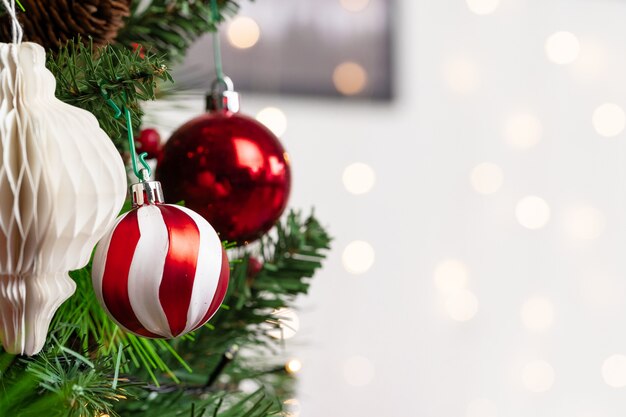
pixel 62 184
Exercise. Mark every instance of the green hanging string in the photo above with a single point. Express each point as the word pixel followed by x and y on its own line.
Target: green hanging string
pixel 217 51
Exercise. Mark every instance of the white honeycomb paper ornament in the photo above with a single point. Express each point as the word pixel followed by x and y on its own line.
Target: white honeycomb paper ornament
pixel 62 184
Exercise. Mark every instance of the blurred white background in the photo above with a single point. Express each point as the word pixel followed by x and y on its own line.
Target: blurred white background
pixel 478 268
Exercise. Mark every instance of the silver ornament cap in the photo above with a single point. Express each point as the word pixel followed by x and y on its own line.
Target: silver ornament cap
pixel 146 192
pixel 222 96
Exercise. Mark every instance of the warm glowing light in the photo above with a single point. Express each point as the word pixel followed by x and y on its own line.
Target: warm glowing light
pixel 243 32
pixel 358 257
pixel 523 130
pixel 609 120
pixel 291 408
pixel 483 6
pixel 359 178
pixel 451 276
pixel 584 222
pixel 538 376
pixel 293 366
pixel 532 212
pixel 462 305
pixel 537 314
pixel 614 371
pixel 350 78
pixel 481 407
pixel 274 119
pixel 358 371
pixel 354 5
pixel 562 48
pixel 284 325
pixel 461 75
pixel 486 178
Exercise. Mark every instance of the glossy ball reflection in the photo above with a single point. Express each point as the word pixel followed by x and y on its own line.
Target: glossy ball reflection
pixel 230 169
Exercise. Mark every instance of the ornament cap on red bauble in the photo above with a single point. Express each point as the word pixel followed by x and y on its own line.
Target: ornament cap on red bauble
pixel 227 167
pixel 161 271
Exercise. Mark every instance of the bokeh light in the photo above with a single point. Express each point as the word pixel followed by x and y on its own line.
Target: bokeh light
pixel 562 48
pixel 358 371
pixel 358 257
pixel 350 78
pixel 522 130
pixel 538 376
pixel 243 32
pixel 537 314
pixel 609 120
pixel 483 7
pixel 532 212
pixel 461 75
pixel 274 119
pixel 293 366
pixel 486 178
pixel 359 178
pixel 461 305
pixel 614 371
pixel 451 275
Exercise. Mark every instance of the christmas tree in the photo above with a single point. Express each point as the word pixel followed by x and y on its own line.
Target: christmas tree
pixel 115 54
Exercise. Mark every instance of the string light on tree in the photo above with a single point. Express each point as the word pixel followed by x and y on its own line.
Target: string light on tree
pixel 293 366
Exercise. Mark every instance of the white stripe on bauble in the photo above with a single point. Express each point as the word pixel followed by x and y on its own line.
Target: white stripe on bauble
pixel 146 271
pixel 208 269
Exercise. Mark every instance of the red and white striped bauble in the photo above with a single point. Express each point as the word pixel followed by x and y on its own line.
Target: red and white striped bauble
pixel 161 271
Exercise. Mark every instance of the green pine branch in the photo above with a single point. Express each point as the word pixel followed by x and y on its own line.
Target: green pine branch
pixel 169 27
pixel 85 75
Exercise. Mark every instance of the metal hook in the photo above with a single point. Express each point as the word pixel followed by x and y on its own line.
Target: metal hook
pixel 144 173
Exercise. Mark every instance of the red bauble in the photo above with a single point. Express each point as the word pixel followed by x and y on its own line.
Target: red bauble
pixel 149 141
pixel 231 170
